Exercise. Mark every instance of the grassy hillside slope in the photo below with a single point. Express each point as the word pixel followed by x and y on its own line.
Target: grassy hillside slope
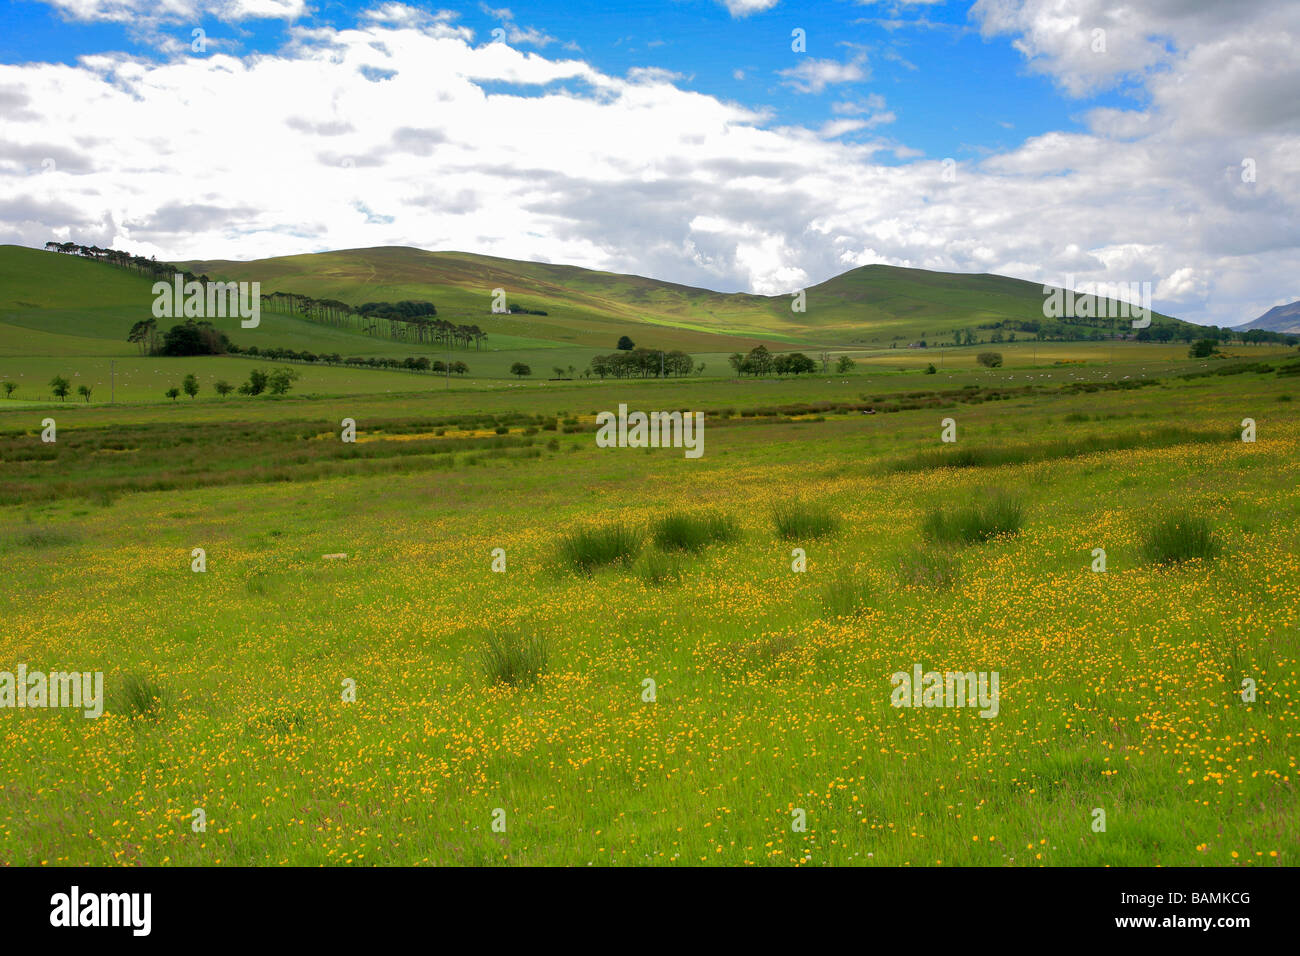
pixel 870 305
pixel 63 305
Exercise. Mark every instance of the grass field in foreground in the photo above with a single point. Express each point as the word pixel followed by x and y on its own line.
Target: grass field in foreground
pixel 1119 690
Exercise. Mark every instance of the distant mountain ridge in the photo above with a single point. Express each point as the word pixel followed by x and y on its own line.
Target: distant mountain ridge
pixel 873 305
pixel 1280 318
pixel 527 305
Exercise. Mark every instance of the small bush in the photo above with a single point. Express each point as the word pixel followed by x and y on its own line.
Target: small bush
pixel 798 520
pixel 928 568
pixel 999 513
pixel 137 697
pixel 846 594
pixel 1178 537
pixel 589 548
pixel 681 531
pixel 512 659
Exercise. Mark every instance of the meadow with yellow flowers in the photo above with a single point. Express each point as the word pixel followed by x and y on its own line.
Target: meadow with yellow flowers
pixel 706 705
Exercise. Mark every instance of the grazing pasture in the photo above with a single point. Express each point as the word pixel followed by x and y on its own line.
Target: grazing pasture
pixel 648 679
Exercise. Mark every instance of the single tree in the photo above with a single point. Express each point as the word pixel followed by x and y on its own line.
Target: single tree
pixel 256 384
pixel 172 393
pixel 191 385
pixel 60 386
pixel 759 361
pixel 845 364
pixel 84 392
pixel 282 380
pixel 10 388
pixel 625 344
pixel 222 387
pixel 520 369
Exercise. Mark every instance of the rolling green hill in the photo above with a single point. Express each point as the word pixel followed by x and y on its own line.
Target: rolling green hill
pixel 871 305
pixel 54 304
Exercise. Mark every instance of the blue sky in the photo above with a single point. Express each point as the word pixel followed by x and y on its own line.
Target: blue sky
pixel 952 92
pixel 1062 141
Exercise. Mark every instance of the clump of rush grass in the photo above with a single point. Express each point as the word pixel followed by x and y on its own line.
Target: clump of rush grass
pixel 800 520
pixel 685 531
pixel 45 537
pixel 925 567
pixel 139 697
pixel 1178 537
pixel 847 593
pixel 999 513
pixel 588 548
pixel 513 659
pixel 659 568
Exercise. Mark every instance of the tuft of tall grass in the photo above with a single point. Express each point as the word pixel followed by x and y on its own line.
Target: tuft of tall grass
pixel 989 456
pixel 847 593
pixel 139 697
pixel 588 548
pixel 1179 536
pixel 659 569
pixel 925 567
pixel 684 531
pixel 999 513
pixel 513 659
pixel 800 520
pixel 45 537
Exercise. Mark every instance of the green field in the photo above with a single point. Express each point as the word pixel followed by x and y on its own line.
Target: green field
pixel 1120 691
pixel 325 690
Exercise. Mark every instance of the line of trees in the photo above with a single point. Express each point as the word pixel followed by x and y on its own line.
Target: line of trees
pixel 409 320
pixel 642 363
pixel 1100 329
pixel 116 257
pixel 406 321
pixel 761 361
pixel 412 363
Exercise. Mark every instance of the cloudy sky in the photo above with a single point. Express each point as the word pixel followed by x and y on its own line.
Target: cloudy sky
pixel 757 145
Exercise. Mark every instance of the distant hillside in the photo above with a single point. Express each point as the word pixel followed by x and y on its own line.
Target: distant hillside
pixel 58 303
pixel 1280 318
pixel 871 305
